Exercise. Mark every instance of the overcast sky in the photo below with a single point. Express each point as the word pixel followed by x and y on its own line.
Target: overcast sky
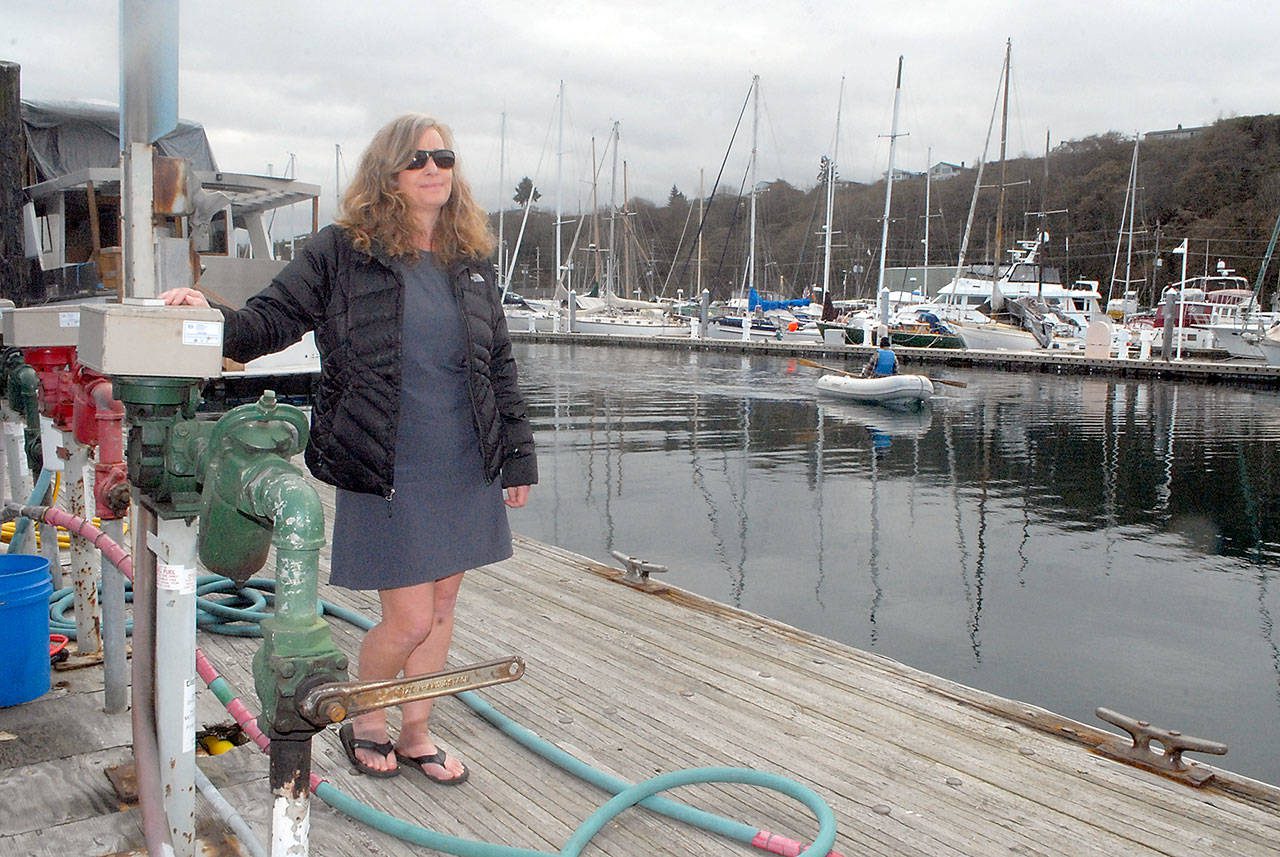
pixel 271 78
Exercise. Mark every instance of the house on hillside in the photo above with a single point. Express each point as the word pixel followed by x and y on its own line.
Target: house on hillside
pixel 1178 133
pixel 944 170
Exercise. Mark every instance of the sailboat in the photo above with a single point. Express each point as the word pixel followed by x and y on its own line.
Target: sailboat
pixel 859 327
pixel 967 303
pixel 613 315
pixel 894 390
pixel 754 322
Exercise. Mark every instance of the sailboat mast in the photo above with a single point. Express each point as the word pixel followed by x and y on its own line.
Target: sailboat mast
pixel 888 183
pixel 701 214
pixel 559 184
pixel 928 183
pixel 1133 208
pixel 595 212
pixel 1041 235
pixel 628 275
pixel 977 182
pixel 611 278
pixel 755 137
pixel 1130 202
pixel 831 199
pixel 1004 136
pixel 502 183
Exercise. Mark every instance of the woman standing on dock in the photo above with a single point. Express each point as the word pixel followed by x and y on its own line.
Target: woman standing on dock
pixel 418 418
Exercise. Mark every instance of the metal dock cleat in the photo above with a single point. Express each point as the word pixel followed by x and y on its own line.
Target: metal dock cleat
pixel 637 570
pixel 1174 743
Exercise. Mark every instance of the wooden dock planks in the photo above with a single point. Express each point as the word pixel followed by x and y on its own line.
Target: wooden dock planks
pixel 644 682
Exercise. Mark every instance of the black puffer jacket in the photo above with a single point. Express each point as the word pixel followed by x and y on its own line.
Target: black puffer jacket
pixel 354 303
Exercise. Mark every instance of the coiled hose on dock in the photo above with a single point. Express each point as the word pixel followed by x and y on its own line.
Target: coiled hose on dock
pixel 240 612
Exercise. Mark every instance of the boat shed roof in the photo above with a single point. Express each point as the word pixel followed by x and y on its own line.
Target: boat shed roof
pixel 67 137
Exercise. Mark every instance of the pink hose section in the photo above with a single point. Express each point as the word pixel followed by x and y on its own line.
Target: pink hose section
pixel 764 840
pixel 775 844
pixel 118 557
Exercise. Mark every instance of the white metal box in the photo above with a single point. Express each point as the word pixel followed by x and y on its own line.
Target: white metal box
pixel 42 326
pixel 151 341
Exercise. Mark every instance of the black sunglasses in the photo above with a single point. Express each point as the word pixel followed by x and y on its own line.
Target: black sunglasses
pixel 444 159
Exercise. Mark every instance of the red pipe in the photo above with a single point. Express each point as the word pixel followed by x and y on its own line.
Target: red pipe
pixel 98 419
pixel 53 366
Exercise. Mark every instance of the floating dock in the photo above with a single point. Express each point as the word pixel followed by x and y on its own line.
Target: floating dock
pixel 639 679
pixel 1045 361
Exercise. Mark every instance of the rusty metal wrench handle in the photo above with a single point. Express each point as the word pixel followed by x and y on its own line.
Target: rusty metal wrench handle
pixel 337 701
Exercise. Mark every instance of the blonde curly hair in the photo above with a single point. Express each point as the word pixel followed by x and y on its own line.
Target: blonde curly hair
pixel 375 213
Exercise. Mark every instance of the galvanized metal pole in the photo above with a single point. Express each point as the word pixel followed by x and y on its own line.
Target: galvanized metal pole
pixel 831 198
pixel 174 546
pixel 751 247
pixel 115 658
pixel 84 575
pixel 888 197
pixel 148 111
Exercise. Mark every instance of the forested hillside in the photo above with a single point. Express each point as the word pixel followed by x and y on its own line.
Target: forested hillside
pixel 1220 189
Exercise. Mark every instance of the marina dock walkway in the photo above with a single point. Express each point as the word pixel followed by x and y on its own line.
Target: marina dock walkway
pixel 641 681
pixel 1252 373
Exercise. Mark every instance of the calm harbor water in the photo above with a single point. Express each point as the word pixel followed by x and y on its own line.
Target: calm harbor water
pixel 1071 542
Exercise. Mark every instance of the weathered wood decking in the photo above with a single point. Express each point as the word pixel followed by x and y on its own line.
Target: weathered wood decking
pixel 639 683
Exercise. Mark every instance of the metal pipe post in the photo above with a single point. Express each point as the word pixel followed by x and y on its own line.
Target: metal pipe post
pixel 84 577
pixel 291 802
pixel 174 546
pixel 114 653
pixel 15 453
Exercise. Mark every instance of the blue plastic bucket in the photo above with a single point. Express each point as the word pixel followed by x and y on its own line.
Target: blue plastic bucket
pixel 25 588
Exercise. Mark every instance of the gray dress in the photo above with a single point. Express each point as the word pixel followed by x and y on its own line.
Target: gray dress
pixel 442 518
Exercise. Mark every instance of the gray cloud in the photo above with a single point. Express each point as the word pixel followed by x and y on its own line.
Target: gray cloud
pixel 270 79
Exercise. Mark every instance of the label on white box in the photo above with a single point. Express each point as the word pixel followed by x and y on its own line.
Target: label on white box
pixel 69 319
pixel 202 333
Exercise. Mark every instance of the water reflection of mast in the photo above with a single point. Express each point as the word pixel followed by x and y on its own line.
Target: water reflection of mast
pixel 873 564
pixel 1110 468
pixel 821 452
pixel 738 577
pixel 1164 491
pixel 1264 612
pixel 561 409
pixel 961 543
pixel 700 483
pixel 979 563
pixel 608 473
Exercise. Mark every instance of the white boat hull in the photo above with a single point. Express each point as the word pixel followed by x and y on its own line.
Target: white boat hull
pixel 526 321
pixel 730 327
pixel 889 390
pixel 995 337
pixel 621 326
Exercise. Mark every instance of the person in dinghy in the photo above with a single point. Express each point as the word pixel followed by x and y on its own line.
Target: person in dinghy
pixel 883 361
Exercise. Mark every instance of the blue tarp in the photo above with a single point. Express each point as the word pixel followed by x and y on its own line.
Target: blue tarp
pixel 754 301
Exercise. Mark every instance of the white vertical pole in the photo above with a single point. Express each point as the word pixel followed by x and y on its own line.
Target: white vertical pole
pixel 84 574
pixel 559 177
pixel 115 660
pixel 888 185
pixel 928 182
pixel 174 546
pixel 1182 294
pixel 751 248
pixel 831 199
pixel 502 203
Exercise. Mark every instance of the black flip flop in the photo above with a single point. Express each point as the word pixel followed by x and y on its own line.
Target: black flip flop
pixel 350 743
pixel 436 758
